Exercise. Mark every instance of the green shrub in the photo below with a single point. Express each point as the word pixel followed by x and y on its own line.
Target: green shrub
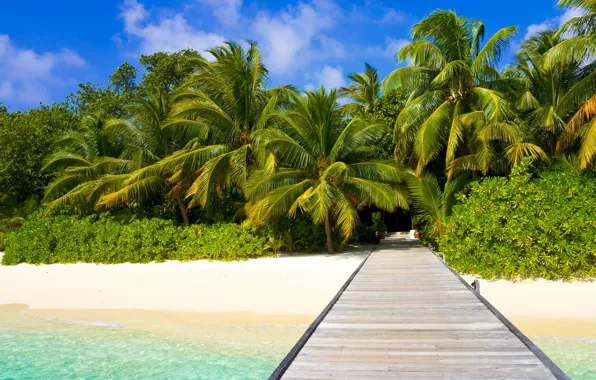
pixel 64 239
pixel 298 233
pixel 525 227
pixel 365 235
pixel 379 222
pixel 1 241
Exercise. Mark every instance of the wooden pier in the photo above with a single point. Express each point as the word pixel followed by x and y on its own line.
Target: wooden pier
pixel 405 314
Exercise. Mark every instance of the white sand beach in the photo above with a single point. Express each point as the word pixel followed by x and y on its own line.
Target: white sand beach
pixel 542 307
pixel 289 289
pixel 289 285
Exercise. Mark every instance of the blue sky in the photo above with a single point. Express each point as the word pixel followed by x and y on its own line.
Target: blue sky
pixel 47 47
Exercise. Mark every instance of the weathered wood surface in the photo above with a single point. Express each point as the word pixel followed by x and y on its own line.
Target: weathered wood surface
pixel 406 315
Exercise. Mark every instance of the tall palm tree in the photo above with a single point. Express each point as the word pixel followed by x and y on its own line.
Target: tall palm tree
pixel 552 94
pixel 227 100
pixel 319 167
pixel 453 108
pixel 363 92
pixel 577 46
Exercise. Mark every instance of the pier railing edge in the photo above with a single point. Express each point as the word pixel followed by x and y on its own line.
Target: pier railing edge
pixel 548 363
pixel 287 361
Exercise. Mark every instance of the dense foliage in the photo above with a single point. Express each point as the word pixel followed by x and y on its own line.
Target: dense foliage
pixel 65 239
pixel 525 227
pixel 200 139
pixel 25 141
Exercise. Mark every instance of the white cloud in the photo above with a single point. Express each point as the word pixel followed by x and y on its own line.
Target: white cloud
pixel 569 14
pixel 393 16
pixel 328 77
pixel 226 12
pixel 295 36
pixel 169 34
pixel 25 75
pixel 393 46
pixel 553 23
pixel 536 28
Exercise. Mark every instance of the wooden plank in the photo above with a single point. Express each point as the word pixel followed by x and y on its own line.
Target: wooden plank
pixel 405 314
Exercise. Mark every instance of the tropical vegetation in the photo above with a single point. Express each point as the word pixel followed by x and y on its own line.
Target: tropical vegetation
pixel 525 226
pixel 207 142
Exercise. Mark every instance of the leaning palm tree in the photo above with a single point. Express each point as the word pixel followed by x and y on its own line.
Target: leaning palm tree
pixel 149 139
pixel 317 167
pixel 88 162
pixel 432 204
pixel 228 101
pixel 453 108
pixel 551 95
pixel 363 92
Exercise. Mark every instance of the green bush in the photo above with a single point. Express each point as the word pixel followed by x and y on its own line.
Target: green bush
pixel 297 234
pixel 64 239
pixel 1 241
pixel 525 227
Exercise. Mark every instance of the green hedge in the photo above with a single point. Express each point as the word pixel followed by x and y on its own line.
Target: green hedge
pixel 525 227
pixel 64 239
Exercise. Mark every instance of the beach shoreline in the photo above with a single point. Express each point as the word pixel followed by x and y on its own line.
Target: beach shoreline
pixel 289 290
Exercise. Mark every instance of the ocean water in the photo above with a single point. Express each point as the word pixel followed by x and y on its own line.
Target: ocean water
pixel 33 348
pixel 36 348
pixel 575 356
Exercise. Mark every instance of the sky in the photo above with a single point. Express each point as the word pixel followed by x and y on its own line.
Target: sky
pixel 48 47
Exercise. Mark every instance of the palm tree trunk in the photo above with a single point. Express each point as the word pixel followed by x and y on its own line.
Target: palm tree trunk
pixel 328 233
pixel 183 210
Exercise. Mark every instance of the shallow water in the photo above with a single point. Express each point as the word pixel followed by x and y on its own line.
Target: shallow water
pixel 32 347
pixel 575 356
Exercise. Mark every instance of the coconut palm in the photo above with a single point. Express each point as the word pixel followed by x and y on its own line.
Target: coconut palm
pixel 148 139
pixel 363 92
pixel 577 48
pixel 110 154
pixel 431 204
pixel 88 162
pixel 319 167
pixel 227 100
pixel 551 96
pixel 579 43
pixel 453 108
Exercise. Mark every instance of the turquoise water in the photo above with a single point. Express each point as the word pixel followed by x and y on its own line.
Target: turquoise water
pixel 31 347
pixel 575 356
pixel 50 350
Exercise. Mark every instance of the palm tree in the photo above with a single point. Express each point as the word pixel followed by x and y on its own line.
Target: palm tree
pixel 149 139
pixel 364 91
pixel 581 32
pixel 431 204
pixel 453 107
pixel 576 48
pixel 112 162
pixel 227 100
pixel 319 167
pixel 88 162
pixel 552 94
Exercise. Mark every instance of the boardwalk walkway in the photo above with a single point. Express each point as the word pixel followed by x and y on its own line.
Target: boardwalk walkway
pixel 405 314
